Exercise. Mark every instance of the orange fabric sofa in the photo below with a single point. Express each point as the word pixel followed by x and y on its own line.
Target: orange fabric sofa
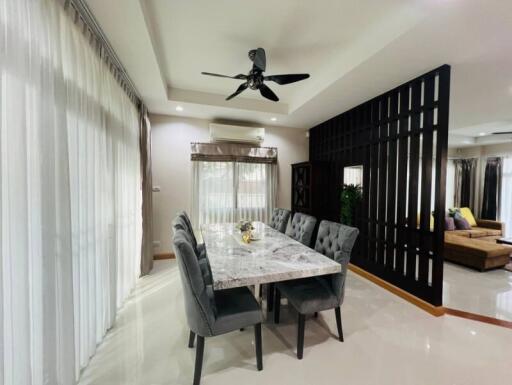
pixel 477 248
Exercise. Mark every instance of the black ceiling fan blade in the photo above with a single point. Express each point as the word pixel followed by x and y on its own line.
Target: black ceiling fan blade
pixel 239 76
pixel 259 58
pixel 268 93
pixel 286 79
pixel 240 89
pixel 502 133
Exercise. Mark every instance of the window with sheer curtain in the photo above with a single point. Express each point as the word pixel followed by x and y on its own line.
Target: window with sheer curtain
pixel 231 191
pixel 506 196
pixel 70 197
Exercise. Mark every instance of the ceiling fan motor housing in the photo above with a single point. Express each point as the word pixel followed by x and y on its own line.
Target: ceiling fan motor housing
pixel 255 79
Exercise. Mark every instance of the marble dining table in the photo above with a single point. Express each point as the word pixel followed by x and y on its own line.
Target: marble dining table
pixel 271 257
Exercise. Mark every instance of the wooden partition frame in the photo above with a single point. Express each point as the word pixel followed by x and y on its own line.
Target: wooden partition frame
pixel 401 139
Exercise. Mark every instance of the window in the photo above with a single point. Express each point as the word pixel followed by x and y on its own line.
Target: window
pixel 506 196
pixel 230 191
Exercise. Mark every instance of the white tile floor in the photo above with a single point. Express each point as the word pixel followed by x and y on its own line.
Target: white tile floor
pixel 387 341
pixel 487 293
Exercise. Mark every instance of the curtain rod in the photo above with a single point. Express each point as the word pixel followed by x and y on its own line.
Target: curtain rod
pixel 86 15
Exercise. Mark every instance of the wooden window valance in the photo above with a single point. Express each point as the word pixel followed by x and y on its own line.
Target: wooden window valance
pixel 232 152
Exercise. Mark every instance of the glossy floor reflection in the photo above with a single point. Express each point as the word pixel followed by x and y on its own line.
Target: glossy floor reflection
pixel 387 341
pixel 486 293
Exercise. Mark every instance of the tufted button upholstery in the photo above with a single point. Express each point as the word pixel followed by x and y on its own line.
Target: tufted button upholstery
pixel 346 239
pixel 182 222
pixel 301 228
pixel 280 218
pixel 314 294
pixel 199 297
pixel 327 238
pixel 211 313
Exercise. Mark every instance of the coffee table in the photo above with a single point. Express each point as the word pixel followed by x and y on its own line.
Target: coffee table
pixel 505 241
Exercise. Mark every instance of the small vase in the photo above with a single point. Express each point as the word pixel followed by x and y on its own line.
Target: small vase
pixel 246 236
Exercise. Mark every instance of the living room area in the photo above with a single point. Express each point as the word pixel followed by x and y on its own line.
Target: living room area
pixel 478 228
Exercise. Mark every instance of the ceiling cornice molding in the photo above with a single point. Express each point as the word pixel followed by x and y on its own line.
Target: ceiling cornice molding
pixel 211 99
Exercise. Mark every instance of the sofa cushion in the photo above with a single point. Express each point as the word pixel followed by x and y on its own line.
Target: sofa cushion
pixel 458 233
pixel 468 215
pixel 488 232
pixel 476 247
pixel 488 224
pixel 461 223
pixel 477 232
pixel 449 224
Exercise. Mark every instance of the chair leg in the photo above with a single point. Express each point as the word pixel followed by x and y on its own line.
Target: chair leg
pixel 270 296
pixel 191 339
pixel 199 360
pixel 338 323
pixel 300 336
pixel 277 305
pixel 257 339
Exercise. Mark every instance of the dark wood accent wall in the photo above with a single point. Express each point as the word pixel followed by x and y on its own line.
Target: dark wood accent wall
pixel 401 139
pixel 308 178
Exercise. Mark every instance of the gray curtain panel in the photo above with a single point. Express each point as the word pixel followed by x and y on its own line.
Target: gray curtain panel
pixel 492 189
pixel 146 263
pixel 465 183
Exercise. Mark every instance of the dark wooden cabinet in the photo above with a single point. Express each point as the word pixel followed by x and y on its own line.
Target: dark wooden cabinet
pixel 309 186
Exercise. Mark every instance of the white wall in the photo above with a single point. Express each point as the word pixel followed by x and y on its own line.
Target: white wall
pixel 171 138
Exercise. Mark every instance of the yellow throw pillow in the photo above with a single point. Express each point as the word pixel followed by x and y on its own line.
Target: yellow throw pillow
pixel 468 215
pixel 431 221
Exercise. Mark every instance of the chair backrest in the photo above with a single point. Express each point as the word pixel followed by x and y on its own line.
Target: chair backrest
pixel 302 228
pixel 280 218
pixel 198 296
pixel 327 238
pixel 346 239
pixel 181 222
pixel 187 220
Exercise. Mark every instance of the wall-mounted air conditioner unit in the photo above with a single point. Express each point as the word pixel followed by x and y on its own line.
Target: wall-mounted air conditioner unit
pixel 229 133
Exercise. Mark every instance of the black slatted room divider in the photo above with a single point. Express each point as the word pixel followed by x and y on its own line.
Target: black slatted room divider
pixel 401 139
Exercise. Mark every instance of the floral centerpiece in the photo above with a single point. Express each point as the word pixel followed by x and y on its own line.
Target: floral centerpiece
pixel 245 228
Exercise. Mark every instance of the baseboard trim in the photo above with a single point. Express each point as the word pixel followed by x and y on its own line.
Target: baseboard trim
pixel 479 318
pixel 160 256
pixel 436 311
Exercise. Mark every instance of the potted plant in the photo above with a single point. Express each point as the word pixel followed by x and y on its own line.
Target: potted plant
pixel 351 195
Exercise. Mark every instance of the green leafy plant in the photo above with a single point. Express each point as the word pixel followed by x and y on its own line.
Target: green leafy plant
pixel 351 195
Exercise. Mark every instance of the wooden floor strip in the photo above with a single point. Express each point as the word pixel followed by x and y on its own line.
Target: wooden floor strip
pixel 478 317
pixel 436 311
pixel 158 257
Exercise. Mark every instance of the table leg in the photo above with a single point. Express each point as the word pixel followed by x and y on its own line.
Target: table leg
pixel 257 293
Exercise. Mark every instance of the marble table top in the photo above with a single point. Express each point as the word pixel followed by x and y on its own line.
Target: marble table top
pixel 273 257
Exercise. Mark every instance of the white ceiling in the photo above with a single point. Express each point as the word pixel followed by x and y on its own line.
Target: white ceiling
pixel 353 49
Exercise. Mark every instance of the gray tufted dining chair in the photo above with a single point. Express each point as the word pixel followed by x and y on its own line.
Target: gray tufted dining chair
pixel 179 224
pixel 312 295
pixel 212 313
pixel 186 224
pixel 280 218
pixel 301 228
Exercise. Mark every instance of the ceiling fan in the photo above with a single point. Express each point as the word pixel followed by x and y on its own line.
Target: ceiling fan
pixel 255 79
pixel 502 133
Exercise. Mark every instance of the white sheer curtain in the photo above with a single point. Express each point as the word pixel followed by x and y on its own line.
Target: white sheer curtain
pixel 230 191
pixel 70 195
pixel 506 196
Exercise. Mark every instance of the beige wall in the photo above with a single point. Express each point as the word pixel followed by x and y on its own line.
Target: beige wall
pixel 171 138
pixel 481 153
